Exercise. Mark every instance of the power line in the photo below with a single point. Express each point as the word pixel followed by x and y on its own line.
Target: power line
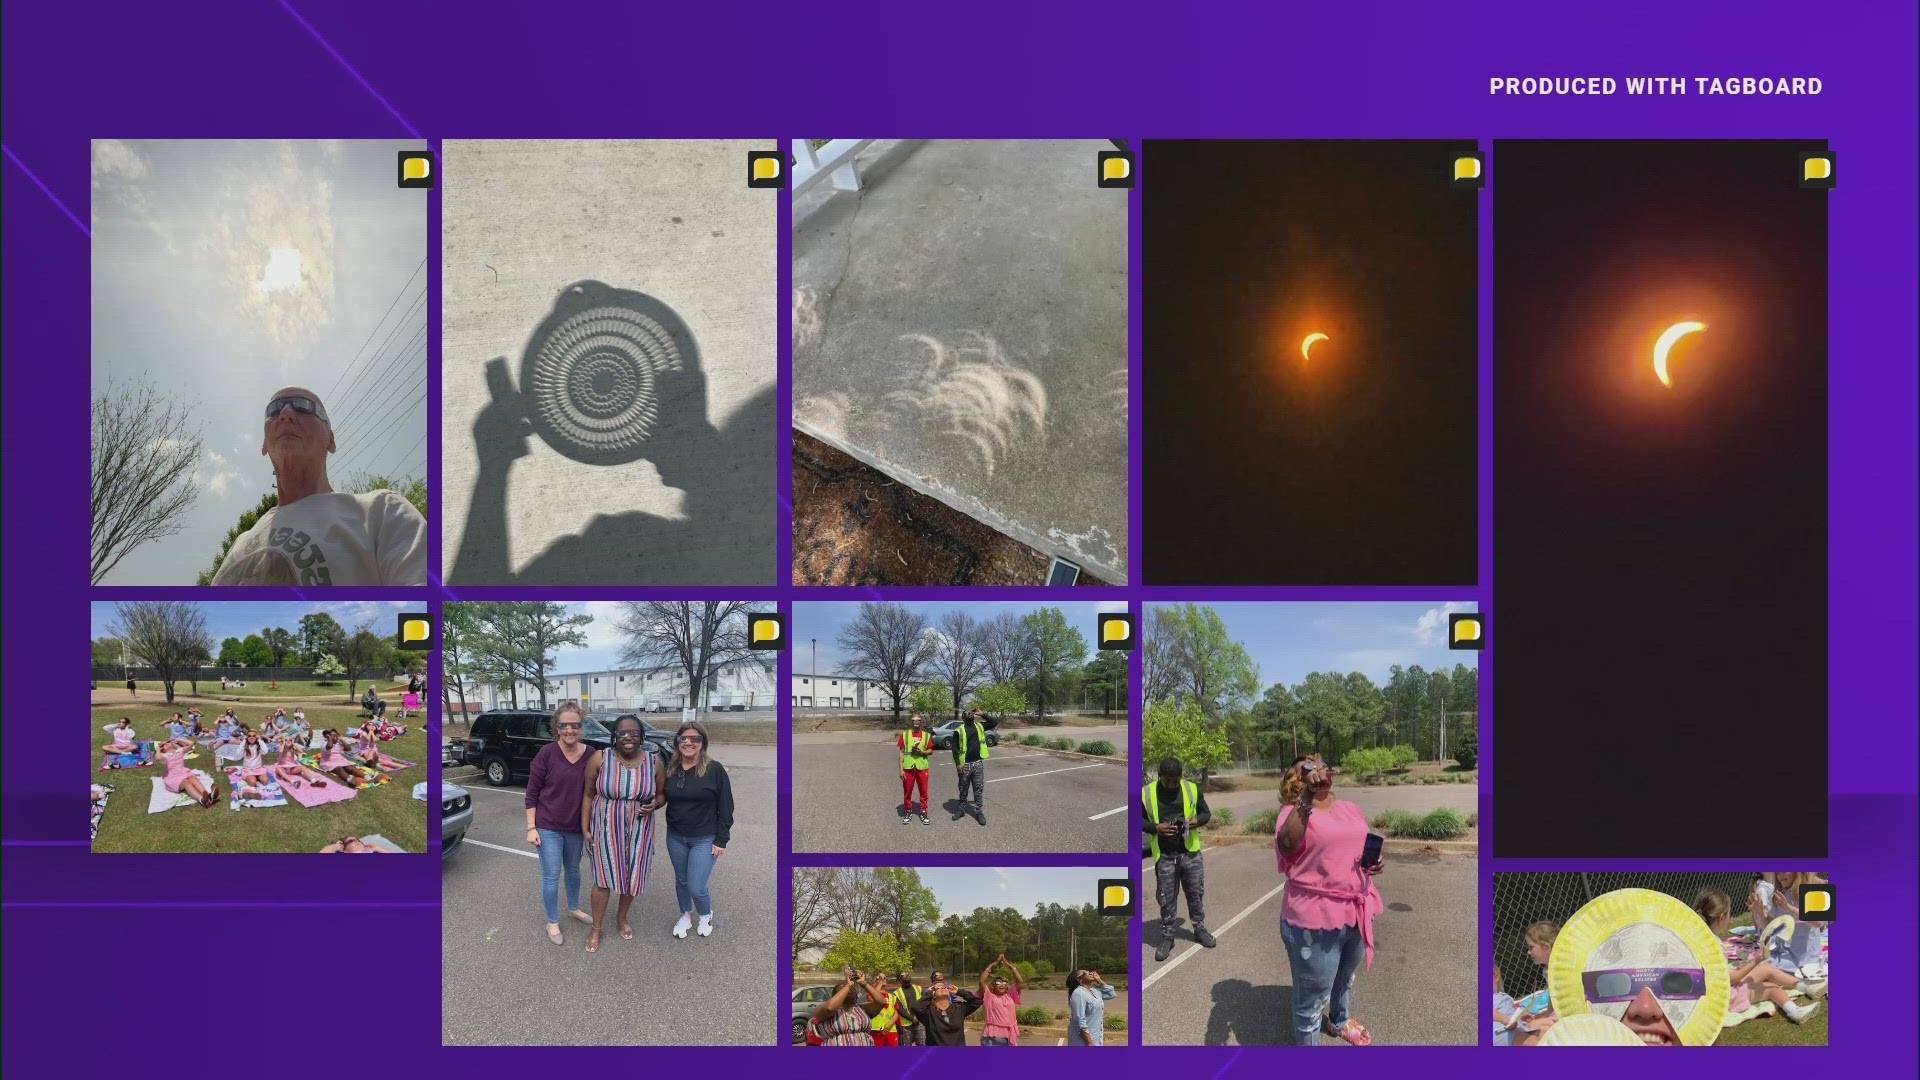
pixel 376 326
pixel 375 456
pixel 400 361
pixel 416 395
pixel 382 350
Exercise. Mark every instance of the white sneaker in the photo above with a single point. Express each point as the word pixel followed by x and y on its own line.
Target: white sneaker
pixel 706 926
pixel 1812 987
pixel 1797 1012
pixel 680 928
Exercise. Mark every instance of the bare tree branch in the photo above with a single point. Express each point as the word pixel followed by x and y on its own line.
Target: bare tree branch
pixel 145 451
pixel 701 638
pixel 957 658
pixel 889 644
pixel 169 636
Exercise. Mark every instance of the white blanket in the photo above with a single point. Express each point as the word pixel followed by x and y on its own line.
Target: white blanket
pixel 163 800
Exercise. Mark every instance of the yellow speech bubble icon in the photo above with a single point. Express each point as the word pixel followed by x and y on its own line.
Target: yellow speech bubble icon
pixel 416 168
pixel 1115 168
pixel 1466 168
pixel 1116 896
pixel 1466 630
pixel 416 630
pixel 766 630
pixel 1816 902
pixel 1818 168
pixel 1115 630
pixel 766 168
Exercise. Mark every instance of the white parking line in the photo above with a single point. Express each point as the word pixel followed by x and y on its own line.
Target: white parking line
pixel 1106 813
pixel 492 791
pixel 1049 772
pixel 497 847
pixel 1231 923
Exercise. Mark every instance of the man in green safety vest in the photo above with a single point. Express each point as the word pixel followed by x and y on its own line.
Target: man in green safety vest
pixel 907 998
pixel 970 764
pixel 1172 810
pixel 915 744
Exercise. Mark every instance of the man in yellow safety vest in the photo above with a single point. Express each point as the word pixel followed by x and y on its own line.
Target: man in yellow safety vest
pixel 915 744
pixel 970 764
pixel 1172 810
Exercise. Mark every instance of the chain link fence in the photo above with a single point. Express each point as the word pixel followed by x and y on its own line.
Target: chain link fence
pixel 1522 899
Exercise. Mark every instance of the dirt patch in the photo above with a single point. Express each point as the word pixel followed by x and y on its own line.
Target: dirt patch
pixel 855 525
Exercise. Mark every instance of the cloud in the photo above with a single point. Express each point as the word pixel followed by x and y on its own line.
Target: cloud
pixel 216 457
pixel 1431 629
pixel 1111 605
pixel 119 182
pixel 601 633
pixel 284 207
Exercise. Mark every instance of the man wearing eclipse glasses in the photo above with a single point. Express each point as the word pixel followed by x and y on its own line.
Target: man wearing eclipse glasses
pixel 316 535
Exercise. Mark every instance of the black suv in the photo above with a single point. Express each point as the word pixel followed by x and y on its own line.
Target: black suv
pixel 502 743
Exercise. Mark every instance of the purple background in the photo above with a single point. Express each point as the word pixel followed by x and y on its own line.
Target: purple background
pixel 262 68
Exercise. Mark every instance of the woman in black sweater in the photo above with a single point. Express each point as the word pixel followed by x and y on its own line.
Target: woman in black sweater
pixel 699 824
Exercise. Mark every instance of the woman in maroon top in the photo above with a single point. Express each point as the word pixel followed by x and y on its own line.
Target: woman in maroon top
pixel 556 785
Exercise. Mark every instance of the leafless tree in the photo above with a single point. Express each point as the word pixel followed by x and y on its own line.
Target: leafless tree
pixel 889 644
pixel 957 656
pixel 1160 669
pixel 169 636
pixel 829 899
pixel 145 450
pixel 1005 648
pixel 699 637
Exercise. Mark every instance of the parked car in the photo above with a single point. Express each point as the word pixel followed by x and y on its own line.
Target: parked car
pixel 503 742
pixel 806 1001
pixel 456 814
pixel 943 734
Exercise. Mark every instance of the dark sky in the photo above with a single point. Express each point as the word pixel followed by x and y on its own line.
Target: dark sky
pixel 1358 465
pixel 1660 553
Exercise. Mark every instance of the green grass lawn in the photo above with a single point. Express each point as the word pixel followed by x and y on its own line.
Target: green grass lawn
pixel 1775 1030
pixel 389 809
pixel 305 691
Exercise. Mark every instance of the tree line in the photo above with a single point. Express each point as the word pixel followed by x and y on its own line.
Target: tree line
pixel 1206 706
pixel 507 643
pixel 171 637
pixel 884 919
pixel 1009 663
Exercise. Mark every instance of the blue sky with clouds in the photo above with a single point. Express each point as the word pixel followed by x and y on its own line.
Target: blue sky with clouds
pixel 238 618
pixel 1289 640
pixel 223 271
pixel 961 889
pixel 823 622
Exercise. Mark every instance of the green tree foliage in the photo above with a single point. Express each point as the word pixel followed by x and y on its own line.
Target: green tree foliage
pixel 930 700
pixel 412 489
pixel 319 635
pixel 1055 649
pixel 1369 761
pixel 107 652
pixel 903 907
pixel 1466 749
pixel 868 951
pixel 328 668
pixel 1193 657
pixel 280 644
pixel 1181 732
pixel 1105 678
pixel 999 699
pixel 1404 755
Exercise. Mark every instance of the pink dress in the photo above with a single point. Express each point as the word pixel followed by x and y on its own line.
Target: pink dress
pixel 1001 1013
pixel 331 758
pixel 177 772
pixel 1326 889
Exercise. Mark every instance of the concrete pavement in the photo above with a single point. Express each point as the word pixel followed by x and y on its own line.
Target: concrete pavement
pixel 1423 989
pixel 961 325
pixel 503 983
pixel 846 798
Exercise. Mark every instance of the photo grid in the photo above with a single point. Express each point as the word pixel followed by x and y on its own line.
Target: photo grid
pixel 667 606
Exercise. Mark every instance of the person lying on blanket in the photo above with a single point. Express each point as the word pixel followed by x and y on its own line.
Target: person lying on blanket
pixel 334 761
pixel 290 771
pixel 246 787
pixel 179 779
pixel 123 739
pixel 352 845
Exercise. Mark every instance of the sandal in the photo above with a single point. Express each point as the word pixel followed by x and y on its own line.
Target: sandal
pixel 593 941
pixel 1353 1032
pixel 626 932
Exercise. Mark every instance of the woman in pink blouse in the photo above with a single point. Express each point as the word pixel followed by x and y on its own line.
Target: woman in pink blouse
pixel 1326 916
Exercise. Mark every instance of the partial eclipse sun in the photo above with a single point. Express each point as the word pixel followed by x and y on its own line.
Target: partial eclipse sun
pixel 1306 347
pixel 1665 345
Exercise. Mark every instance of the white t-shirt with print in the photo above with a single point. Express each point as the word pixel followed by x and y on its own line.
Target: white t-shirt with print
pixel 332 539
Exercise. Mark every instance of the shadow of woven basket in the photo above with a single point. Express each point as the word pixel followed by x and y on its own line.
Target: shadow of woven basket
pixel 598 373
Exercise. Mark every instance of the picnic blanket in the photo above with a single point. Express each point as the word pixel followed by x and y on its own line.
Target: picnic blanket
pixel 266 783
pixel 384 844
pixel 142 754
pixel 309 793
pixel 386 763
pixel 100 794
pixel 162 800
pixel 367 774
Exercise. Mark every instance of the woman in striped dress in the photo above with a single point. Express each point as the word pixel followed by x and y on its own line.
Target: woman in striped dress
pixel 622 782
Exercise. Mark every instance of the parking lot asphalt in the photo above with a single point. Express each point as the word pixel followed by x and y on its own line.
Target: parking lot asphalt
pixel 1423 989
pixel 503 983
pixel 847 798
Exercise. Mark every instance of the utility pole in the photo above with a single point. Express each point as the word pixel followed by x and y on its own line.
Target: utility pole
pixel 813 667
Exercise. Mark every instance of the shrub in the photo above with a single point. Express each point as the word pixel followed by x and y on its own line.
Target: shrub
pixel 1221 818
pixel 1404 755
pixel 1033 740
pixel 1025 967
pixel 1114 1022
pixel 1440 824
pixel 1429 779
pixel 1033 1014
pixel 1042 967
pixel 1063 744
pixel 1473 821
pixel 1368 762
pixel 1098 746
pixel 1467 750
pixel 930 700
pixel 1263 822
pixel 1393 822
pixel 1000 699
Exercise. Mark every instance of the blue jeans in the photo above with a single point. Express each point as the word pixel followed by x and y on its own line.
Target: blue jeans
pixel 1323 978
pixel 692 864
pixel 560 853
pixel 990 1040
